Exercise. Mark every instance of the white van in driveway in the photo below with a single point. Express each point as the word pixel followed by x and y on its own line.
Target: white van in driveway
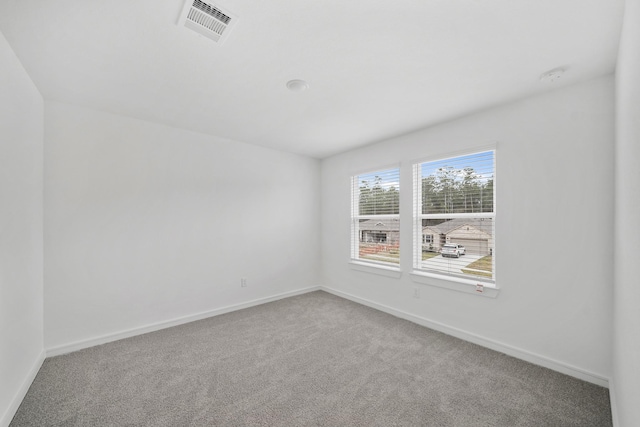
pixel 453 250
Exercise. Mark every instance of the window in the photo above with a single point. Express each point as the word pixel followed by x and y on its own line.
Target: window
pixel 375 217
pixel 454 217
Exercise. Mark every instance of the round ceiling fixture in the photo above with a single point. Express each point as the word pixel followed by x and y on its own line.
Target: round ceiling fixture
pixel 552 76
pixel 297 85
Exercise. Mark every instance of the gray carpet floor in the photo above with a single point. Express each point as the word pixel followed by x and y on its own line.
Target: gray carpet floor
pixel 309 360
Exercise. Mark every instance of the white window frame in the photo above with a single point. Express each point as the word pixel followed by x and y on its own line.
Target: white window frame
pixel 366 265
pixel 461 282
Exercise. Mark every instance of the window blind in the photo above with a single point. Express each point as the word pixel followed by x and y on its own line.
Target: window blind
pixel 454 216
pixel 375 217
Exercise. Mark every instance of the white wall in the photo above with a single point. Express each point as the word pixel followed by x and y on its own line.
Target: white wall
pixel 554 178
pixel 146 223
pixel 21 136
pixel 626 350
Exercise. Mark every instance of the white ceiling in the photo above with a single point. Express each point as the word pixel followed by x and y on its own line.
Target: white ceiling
pixel 376 69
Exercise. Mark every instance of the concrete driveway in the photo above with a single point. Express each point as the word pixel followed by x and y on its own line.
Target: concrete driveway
pixel 452 265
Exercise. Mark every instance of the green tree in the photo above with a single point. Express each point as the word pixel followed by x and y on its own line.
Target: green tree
pixel 376 200
pixel 451 190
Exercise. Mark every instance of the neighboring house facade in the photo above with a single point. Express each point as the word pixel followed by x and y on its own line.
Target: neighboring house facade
pixel 473 233
pixel 380 231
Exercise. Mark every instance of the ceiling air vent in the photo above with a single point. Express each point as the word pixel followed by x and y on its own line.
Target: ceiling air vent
pixel 207 19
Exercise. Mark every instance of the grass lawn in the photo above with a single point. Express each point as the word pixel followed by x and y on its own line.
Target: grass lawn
pixel 476 273
pixel 384 257
pixel 485 264
pixel 427 255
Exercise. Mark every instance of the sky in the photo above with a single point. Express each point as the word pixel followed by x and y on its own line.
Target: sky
pixel 482 163
pixel 390 178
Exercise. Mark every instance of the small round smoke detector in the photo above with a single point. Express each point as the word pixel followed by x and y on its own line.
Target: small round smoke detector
pixel 552 76
pixel 297 85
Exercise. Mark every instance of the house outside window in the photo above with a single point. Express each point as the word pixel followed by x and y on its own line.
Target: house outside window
pixel 375 217
pixel 454 217
pixel 427 243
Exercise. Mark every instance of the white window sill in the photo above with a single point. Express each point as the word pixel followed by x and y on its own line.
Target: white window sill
pixel 459 284
pixel 382 270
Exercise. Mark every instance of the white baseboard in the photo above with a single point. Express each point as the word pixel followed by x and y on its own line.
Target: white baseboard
pixel 518 353
pixel 614 404
pixel 79 345
pixel 22 392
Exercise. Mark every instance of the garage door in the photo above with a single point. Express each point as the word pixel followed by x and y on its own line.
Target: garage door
pixel 473 246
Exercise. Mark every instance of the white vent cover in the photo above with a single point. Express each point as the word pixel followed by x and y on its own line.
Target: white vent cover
pixel 207 19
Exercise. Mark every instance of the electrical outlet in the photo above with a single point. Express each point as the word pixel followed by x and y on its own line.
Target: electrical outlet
pixel 243 282
pixel 416 292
